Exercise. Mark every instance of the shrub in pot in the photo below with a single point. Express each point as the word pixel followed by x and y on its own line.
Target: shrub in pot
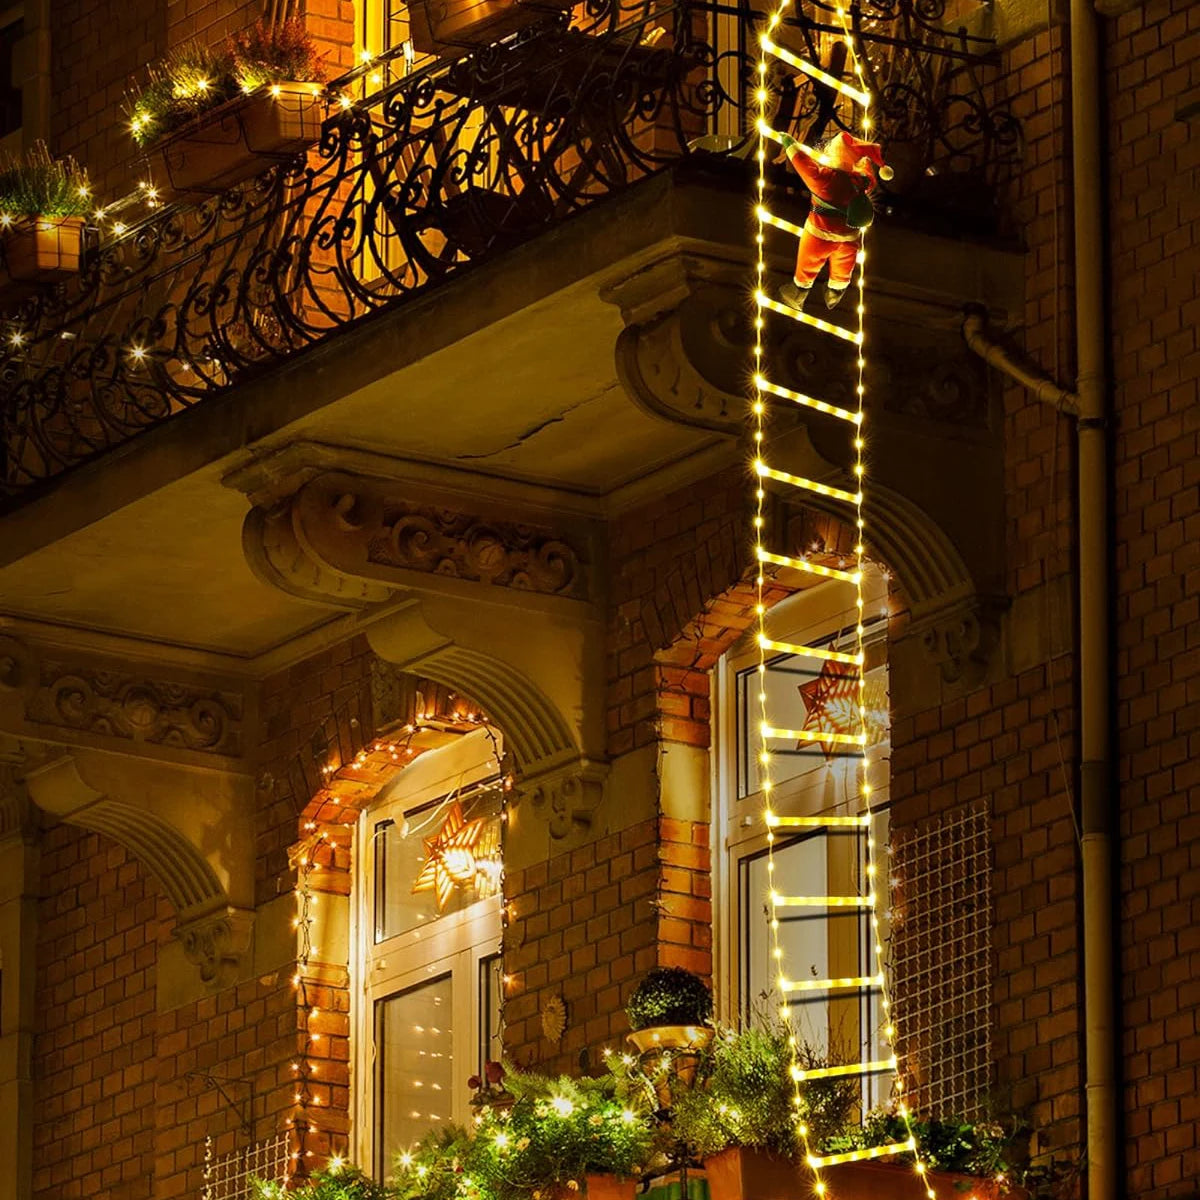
pixel 43 203
pixel 669 1008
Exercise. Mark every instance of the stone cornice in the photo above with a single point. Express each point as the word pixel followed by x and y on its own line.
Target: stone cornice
pixel 354 542
pixel 53 694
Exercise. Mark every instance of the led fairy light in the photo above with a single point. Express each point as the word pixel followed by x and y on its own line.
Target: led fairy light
pixel 861 824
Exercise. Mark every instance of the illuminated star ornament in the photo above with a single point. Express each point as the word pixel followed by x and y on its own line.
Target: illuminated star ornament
pixel 831 704
pixel 449 856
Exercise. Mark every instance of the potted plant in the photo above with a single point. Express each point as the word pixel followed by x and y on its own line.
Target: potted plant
pixel 211 118
pixel 454 27
pixel 961 1158
pixel 43 202
pixel 670 1009
pixel 744 1126
pixel 337 1181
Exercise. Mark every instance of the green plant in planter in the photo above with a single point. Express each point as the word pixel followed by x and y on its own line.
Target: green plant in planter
pixel 438 1169
pixel 338 1181
pixel 190 80
pixel 195 77
pixel 669 996
pixel 38 185
pixel 557 1131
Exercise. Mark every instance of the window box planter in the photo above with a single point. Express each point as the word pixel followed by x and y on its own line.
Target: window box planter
pixel 610 1187
pixel 873 1180
pixel 237 141
pixel 39 250
pixel 741 1173
pixel 452 28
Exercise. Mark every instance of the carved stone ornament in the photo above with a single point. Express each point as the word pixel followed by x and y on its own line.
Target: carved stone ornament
pixel 216 942
pixel 565 798
pixel 119 701
pixel 16 664
pixel 554 1018
pixel 462 545
pixel 18 815
pixel 961 638
pixel 353 541
pixel 688 339
pixel 131 707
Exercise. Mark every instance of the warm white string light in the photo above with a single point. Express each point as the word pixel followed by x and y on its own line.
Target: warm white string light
pixel 860 823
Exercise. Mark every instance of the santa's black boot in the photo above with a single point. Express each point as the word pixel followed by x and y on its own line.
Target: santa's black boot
pixel 833 296
pixel 794 296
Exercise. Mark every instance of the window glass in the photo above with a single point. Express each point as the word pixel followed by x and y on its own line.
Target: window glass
pixel 10 94
pixel 414 1038
pixel 491 984
pixel 436 860
pixel 804 693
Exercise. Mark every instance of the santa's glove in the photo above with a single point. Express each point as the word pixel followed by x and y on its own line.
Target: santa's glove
pixel 788 143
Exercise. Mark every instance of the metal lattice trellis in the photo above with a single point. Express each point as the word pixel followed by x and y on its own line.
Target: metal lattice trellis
pixel 941 953
pixel 231 1176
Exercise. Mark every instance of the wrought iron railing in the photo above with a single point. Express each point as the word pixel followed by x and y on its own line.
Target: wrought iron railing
pixel 420 175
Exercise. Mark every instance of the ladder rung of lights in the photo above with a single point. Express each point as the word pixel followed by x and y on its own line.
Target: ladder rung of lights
pixel 766 390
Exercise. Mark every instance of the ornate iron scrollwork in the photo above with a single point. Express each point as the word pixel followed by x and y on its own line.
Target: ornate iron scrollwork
pixel 428 175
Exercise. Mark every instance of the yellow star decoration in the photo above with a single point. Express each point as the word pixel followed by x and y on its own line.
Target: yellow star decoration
pixel 449 856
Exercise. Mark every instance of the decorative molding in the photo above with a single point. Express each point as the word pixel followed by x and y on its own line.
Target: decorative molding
pixel 132 707
pixel 961 638
pixel 565 797
pixel 18 813
pixel 16 664
pixel 216 942
pixel 686 339
pixel 554 1018
pixel 459 544
pixel 111 699
pixel 353 541
pixel 683 353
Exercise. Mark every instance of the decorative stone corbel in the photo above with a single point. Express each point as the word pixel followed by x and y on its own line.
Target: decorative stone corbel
pixel 961 638
pixel 682 353
pixel 216 942
pixel 566 796
pixel 18 813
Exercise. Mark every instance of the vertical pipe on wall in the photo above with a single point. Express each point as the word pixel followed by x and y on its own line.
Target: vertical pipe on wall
pixel 1095 725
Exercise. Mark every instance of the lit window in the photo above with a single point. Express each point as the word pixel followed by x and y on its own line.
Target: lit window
pixel 430 914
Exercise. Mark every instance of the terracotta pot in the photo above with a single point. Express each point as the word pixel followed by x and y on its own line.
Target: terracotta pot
pixel 39 250
pixel 237 141
pixel 741 1173
pixel 454 27
pixel 671 1037
pixel 899 1181
pixel 610 1187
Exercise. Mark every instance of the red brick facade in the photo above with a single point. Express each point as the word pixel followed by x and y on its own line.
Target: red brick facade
pixel 122 1105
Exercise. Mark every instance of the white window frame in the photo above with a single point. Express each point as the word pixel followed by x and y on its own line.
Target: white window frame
pixel 456 944
pixel 806 618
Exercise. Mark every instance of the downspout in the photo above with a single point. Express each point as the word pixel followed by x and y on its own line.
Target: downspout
pixel 1089 405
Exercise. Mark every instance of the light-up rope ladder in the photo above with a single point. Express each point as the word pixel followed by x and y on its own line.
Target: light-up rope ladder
pixel 858 824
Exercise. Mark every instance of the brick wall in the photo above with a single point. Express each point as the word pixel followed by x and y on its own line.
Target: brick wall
pixel 1153 55
pixel 94 1096
pixel 589 923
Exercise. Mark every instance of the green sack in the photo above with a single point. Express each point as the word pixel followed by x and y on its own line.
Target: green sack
pixel 860 212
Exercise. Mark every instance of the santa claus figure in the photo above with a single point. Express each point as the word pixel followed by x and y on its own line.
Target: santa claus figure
pixel 840 178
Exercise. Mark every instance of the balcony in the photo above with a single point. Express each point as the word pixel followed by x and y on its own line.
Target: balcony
pixel 424 176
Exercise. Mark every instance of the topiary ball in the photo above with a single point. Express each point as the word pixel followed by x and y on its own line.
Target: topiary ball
pixel 670 996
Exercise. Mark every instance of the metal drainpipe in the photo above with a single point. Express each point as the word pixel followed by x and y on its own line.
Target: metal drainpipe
pixel 1097 820
pixel 1089 405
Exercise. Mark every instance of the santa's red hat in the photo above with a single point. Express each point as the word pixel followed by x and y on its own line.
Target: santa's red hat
pixel 866 158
